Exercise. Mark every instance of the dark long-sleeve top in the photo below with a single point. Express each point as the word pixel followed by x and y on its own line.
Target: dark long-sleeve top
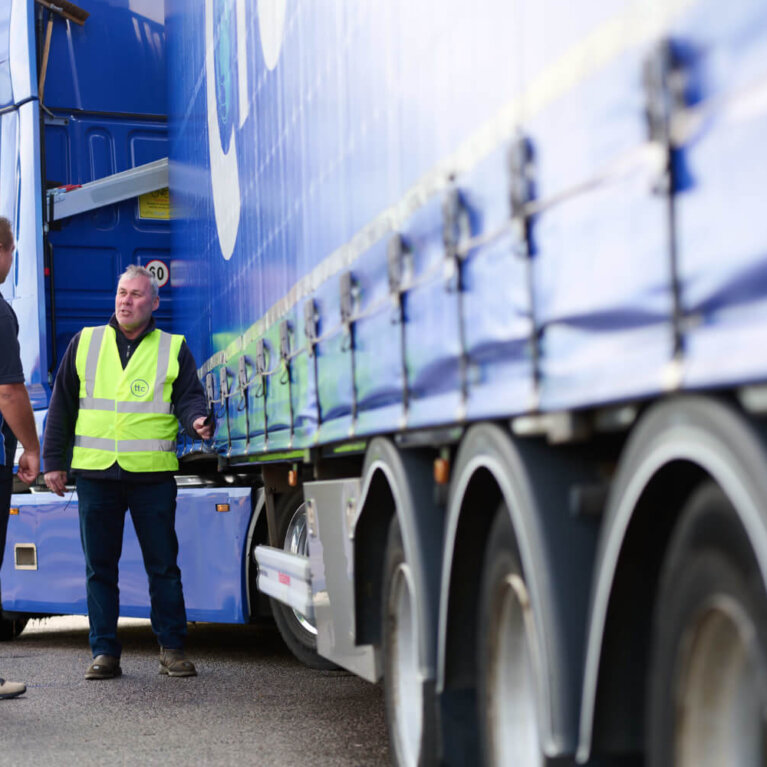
pixel 187 398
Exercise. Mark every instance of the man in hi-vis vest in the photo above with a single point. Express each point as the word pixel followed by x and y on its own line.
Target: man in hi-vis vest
pixel 117 396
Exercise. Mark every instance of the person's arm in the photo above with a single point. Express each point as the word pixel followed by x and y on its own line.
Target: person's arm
pixel 17 411
pixel 188 397
pixel 14 399
pixel 60 423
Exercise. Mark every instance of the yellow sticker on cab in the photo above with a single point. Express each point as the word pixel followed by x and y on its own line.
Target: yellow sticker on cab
pixel 155 205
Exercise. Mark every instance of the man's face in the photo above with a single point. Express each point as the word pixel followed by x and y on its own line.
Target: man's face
pixel 134 303
pixel 6 259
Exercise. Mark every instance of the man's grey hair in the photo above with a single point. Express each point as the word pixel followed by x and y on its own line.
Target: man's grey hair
pixel 134 271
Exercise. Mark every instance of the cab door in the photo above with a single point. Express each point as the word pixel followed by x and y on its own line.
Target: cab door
pixel 20 189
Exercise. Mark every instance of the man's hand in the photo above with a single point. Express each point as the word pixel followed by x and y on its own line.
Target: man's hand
pixel 56 481
pixel 15 407
pixel 29 466
pixel 203 427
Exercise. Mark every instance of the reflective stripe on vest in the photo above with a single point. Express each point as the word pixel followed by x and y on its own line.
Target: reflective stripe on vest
pixel 99 403
pixel 124 445
pixel 125 414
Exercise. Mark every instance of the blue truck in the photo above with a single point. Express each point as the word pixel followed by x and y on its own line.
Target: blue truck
pixel 478 294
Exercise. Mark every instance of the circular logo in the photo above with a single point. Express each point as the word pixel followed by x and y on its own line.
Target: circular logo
pixel 224 170
pixel 139 387
pixel 225 63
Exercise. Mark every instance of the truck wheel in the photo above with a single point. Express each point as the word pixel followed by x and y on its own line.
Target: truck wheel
pixel 402 690
pixel 707 702
pixel 403 685
pixel 507 681
pixel 10 628
pixel 298 631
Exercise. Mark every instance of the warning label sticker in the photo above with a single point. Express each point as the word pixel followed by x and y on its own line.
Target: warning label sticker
pixel 155 205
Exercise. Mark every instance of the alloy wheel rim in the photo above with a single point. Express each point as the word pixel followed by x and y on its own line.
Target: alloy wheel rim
pixel 511 689
pixel 407 681
pixel 720 702
pixel 297 542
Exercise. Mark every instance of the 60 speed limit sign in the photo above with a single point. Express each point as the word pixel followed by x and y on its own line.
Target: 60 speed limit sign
pixel 160 270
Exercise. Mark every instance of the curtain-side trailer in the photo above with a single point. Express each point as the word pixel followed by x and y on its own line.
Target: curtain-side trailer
pixel 479 298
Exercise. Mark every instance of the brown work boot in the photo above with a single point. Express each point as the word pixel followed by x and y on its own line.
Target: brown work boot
pixel 174 663
pixel 11 689
pixel 104 667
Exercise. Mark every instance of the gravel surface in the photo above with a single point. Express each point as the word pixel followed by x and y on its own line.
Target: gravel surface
pixel 252 703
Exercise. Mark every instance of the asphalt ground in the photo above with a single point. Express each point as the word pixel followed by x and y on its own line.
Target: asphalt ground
pixel 252 703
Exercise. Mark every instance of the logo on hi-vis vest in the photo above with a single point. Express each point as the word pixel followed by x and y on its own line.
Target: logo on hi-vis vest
pixel 139 387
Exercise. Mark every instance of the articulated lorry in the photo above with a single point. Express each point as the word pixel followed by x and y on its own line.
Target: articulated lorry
pixel 479 298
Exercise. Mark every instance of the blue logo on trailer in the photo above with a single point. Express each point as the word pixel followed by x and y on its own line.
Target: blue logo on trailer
pixel 222 144
pixel 226 45
pixel 225 59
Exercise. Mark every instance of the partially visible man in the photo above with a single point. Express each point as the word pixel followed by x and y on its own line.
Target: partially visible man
pixel 117 396
pixel 16 417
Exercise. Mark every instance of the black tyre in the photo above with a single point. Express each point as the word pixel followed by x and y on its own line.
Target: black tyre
pixel 298 631
pixel 10 628
pixel 707 690
pixel 409 712
pixel 507 684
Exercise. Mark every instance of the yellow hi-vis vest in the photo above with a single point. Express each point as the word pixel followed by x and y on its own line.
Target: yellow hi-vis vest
pixel 125 414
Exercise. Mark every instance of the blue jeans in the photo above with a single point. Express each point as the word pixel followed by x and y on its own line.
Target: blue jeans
pixel 103 504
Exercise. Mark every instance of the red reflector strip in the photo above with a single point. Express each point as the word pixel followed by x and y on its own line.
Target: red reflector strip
pixel 283 578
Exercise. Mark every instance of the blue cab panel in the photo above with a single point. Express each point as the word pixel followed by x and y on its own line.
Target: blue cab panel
pixel 20 189
pixel 105 112
pixel 88 252
pixel 212 557
pixel 113 63
pixel 105 92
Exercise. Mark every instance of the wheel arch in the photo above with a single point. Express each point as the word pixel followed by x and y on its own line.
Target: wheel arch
pixel 678 444
pixel 534 480
pixel 377 508
pixel 398 482
pixel 257 533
